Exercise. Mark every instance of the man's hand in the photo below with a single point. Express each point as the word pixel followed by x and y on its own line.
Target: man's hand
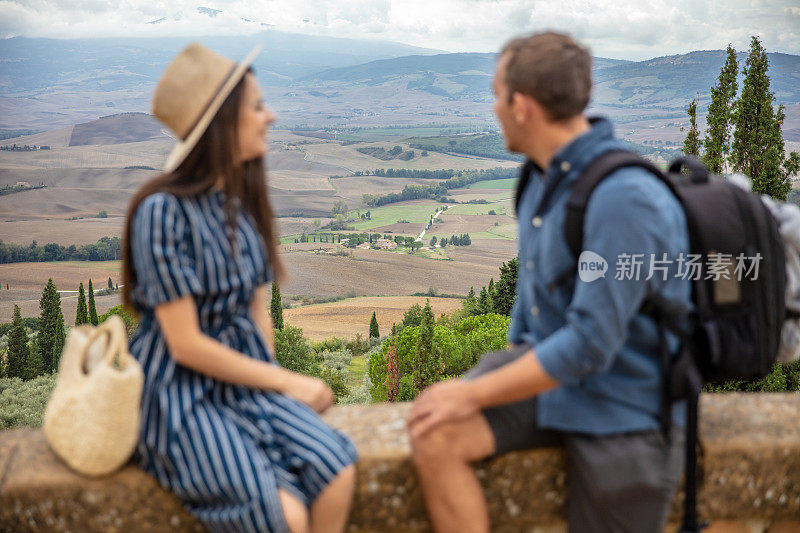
pixel 448 401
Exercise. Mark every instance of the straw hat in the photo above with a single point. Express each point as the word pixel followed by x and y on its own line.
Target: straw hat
pixel 191 91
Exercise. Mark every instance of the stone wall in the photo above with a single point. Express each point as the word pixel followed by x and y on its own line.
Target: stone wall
pixel 751 457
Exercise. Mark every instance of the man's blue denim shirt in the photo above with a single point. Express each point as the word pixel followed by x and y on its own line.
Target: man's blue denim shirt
pixel 589 335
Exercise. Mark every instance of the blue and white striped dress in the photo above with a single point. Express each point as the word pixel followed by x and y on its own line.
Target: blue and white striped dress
pixel 225 450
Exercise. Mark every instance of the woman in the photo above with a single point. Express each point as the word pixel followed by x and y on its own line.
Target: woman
pixel 229 431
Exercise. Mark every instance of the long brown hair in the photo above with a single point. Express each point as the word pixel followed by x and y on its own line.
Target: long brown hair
pixel 213 157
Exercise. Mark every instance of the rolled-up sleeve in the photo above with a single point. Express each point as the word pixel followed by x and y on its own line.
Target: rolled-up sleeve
pixel 165 268
pixel 627 214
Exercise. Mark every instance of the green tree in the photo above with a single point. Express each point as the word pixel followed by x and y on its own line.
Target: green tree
pixel 18 354
pixel 758 148
pixel 373 327
pixel 51 327
pixel 428 364
pixel 505 289
pixel 484 302
pixel 92 308
pixel 276 307
pixel 339 208
pixel 293 352
pixel 490 291
pixel 110 283
pixel 82 315
pixel 61 338
pixel 413 317
pixel 720 115
pixel 691 145
pixel 469 306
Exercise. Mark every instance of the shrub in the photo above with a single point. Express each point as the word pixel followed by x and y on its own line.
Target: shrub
pixel 339 360
pixel 22 403
pixel 293 352
pixel 456 345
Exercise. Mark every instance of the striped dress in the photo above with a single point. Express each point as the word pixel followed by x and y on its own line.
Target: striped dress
pixel 223 449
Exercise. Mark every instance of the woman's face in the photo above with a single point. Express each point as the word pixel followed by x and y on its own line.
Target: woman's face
pixel 254 119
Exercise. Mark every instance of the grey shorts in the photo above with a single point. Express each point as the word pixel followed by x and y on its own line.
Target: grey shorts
pixel 617 483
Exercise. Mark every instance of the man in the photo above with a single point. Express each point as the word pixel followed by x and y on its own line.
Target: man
pixel 583 368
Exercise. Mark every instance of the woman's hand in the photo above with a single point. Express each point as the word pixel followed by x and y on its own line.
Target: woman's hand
pixel 311 391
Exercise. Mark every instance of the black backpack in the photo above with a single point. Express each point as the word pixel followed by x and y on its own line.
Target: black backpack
pixel 733 332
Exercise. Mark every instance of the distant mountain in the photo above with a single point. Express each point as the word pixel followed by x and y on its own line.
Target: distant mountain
pixel 451 75
pixel 32 64
pixel 117 129
pixel 673 80
pixel 668 81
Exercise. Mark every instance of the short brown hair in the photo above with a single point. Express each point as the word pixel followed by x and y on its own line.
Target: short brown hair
pixel 551 68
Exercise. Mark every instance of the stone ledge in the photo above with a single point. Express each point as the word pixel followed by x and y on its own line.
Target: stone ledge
pixel 752 475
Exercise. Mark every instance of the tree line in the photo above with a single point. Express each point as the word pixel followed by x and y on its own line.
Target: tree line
pixel 31 355
pixel 105 249
pixel 744 134
pixel 439 190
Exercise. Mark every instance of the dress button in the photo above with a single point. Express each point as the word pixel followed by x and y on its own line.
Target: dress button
pixel 537 222
pixel 565 166
pixel 529 264
pixel 534 310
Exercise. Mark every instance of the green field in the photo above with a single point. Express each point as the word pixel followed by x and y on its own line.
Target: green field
pixel 390 214
pixel 508 183
pixel 476 209
pixel 395 134
pixel 116 266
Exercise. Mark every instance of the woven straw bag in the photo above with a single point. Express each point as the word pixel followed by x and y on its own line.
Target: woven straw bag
pixel 92 417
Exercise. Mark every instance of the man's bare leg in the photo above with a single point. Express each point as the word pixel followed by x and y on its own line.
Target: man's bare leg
pixel 443 458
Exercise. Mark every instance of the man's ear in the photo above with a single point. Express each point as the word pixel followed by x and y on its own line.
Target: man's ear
pixel 524 108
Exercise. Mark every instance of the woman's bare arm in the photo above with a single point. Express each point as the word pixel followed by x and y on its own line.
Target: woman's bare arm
pixel 260 316
pixel 190 347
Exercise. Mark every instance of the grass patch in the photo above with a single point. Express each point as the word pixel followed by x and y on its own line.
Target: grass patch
pixel 475 209
pixel 115 266
pixel 355 374
pixel 509 183
pixel 390 214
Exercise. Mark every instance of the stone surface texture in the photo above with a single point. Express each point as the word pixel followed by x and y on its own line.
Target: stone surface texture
pixel 751 463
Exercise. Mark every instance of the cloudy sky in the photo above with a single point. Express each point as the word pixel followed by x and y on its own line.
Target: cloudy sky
pixel 629 29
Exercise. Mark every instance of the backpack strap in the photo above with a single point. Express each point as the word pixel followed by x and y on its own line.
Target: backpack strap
pixel 590 178
pixel 524 177
pixel 598 170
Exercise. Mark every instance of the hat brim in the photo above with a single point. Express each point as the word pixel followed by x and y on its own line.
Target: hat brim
pixel 185 146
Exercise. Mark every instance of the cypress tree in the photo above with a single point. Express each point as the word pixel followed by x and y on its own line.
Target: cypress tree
pixel 720 115
pixel 92 308
pixel 505 288
pixel 276 307
pixel 18 353
pixel 110 283
pixel 60 339
pixel 490 291
pixel 428 362
pixel 33 366
pixel 51 326
pixel 470 305
pixel 758 148
pixel 691 145
pixel 82 316
pixel 373 327
pixel 484 302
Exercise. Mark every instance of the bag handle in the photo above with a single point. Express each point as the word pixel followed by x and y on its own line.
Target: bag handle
pixel 114 329
pixel 698 173
pixel 117 340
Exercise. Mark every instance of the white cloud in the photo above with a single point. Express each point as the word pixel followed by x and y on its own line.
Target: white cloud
pixel 634 29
